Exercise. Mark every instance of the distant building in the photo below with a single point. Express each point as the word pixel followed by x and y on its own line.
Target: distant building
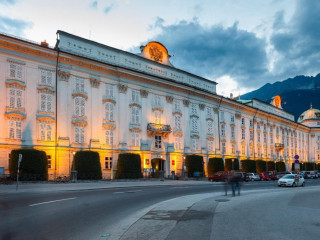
pixel 83 95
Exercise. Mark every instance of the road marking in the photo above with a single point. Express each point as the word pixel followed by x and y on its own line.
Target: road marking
pixel 180 187
pixel 127 192
pixel 59 200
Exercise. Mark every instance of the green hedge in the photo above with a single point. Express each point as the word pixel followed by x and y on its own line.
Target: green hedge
pixel 87 163
pixel 310 166
pixel 231 164
pixel 261 166
pixel 215 165
pixel 129 166
pixel 33 167
pixel 194 164
pixel 248 166
pixel 280 166
pixel 318 166
pixel 271 166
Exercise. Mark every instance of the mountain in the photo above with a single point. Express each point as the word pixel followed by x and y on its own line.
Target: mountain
pixel 297 93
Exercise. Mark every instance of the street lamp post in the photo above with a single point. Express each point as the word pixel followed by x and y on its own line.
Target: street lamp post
pixel 73 172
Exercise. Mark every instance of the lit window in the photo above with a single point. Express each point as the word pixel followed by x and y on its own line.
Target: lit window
pixel 243 150
pixel 223 144
pixel 157 117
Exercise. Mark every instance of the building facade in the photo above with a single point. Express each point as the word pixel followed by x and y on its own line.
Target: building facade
pixel 82 95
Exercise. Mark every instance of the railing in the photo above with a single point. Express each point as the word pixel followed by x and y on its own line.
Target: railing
pixel 158 127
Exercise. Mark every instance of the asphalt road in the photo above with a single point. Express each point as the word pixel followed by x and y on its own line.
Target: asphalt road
pixel 88 214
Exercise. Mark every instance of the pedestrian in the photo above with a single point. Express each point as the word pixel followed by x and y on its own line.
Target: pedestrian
pixel 235 182
pixel 226 182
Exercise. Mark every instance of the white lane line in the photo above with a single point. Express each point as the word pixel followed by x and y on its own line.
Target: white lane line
pixel 127 192
pixel 179 187
pixel 118 192
pixel 59 200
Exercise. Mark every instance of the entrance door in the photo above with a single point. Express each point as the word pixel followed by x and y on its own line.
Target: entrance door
pixel 157 165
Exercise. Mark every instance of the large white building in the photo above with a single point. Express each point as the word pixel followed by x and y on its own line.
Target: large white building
pixel 83 95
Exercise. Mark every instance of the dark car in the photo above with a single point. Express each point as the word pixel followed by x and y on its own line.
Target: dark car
pixel 244 177
pixel 218 177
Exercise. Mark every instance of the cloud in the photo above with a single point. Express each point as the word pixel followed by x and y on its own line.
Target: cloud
pixel 215 51
pixel 94 4
pixel 8 2
pixel 14 26
pixel 108 9
pixel 297 42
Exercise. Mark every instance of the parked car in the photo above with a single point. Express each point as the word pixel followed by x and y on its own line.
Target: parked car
pixel 309 174
pixel 218 176
pixel 291 180
pixel 253 176
pixel 268 175
pixel 244 177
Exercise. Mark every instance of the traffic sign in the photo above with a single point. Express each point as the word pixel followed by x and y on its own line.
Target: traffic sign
pixel 296 157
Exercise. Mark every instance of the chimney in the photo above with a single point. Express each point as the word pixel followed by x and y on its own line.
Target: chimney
pixel 44 44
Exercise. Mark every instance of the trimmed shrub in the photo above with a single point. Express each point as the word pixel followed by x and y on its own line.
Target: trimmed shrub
pixel 261 166
pixel 194 164
pixel 236 164
pixel 215 165
pixel 310 166
pixel 129 166
pixel 280 166
pixel 248 166
pixel 33 167
pixel 318 166
pixel 271 166
pixel 231 164
pixel 87 163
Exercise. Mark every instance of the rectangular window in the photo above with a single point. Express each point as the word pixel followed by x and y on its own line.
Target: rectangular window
pixel 251 135
pixel 232 118
pixel 209 112
pixel 232 132
pixel 109 90
pixel 258 136
pixel 194 124
pixel 109 137
pixel 195 144
pixel 108 162
pixel 15 131
pixel 46 77
pixel 135 96
pixel 79 106
pixel 157 100
pixel 223 146
pixel 243 133
pixel 79 85
pixel 223 130
pixel 158 141
pixel 109 108
pixel 15 96
pixel 177 121
pixel 265 138
pixel 178 142
pixel 135 138
pixel 251 123
pixel 16 70
pixel 49 161
pixel 45 131
pixel 45 102
pixel 233 149
pixel 176 104
pixel 79 134
pixel 242 121
pixel 135 115
pixel 243 150
pixel 194 108
pixel 271 139
pixel 210 146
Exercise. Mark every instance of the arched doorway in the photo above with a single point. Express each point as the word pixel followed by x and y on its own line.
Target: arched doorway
pixel 157 165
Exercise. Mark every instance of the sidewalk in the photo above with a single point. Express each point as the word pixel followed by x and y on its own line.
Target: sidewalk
pixel 86 185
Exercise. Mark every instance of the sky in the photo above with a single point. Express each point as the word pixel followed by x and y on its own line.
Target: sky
pixel 240 44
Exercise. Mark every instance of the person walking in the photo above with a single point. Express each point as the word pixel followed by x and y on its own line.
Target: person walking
pixel 235 182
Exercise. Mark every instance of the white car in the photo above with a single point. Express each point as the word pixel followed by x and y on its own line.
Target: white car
pixel 253 176
pixel 291 180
